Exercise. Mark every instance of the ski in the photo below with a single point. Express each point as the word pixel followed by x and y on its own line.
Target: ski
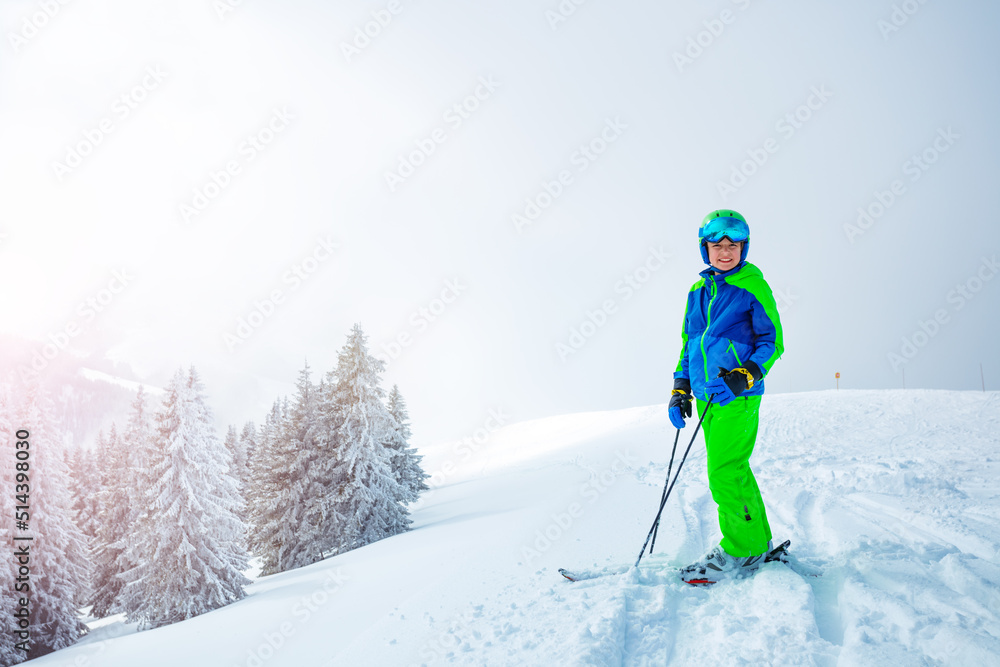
pixel 781 555
pixel 582 575
pixel 778 554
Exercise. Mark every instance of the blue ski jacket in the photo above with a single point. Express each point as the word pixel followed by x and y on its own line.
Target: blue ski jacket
pixel 730 319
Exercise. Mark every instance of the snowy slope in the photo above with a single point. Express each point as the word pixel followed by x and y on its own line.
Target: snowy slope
pixel 99 376
pixel 894 493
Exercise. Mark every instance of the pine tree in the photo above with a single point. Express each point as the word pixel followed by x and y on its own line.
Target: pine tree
pixel 365 492
pixel 140 455
pixel 85 485
pixel 9 655
pixel 305 511
pixel 238 455
pixel 248 437
pixel 189 550
pixel 405 460
pixel 287 526
pixel 113 521
pixel 58 551
pixel 231 503
pixel 236 452
pixel 247 444
pixel 267 481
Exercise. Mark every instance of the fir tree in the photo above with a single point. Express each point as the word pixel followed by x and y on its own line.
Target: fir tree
pixel 85 479
pixel 236 452
pixel 307 456
pixel 267 481
pixel 245 448
pixel 290 474
pixel 140 456
pixel 141 453
pixel 189 550
pixel 248 436
pixel 86 485
pixel 405 460
pixel 231 503
pixel 365 494
pixel 113 521
pixel 247 444
pixel 58 551
pixel 239 464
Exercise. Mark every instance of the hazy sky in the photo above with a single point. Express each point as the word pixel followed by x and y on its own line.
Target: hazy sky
pixel 187 164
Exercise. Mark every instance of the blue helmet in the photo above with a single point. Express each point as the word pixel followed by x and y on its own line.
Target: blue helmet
pixel 721 224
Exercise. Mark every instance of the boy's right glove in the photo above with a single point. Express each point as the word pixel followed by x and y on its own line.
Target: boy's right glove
pixel 680 402
pixel 729 384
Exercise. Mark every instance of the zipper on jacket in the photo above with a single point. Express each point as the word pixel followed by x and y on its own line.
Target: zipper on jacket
pixel 732 347
pixel 708 323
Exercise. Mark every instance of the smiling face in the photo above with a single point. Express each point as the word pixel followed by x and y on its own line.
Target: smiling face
pixel 724 255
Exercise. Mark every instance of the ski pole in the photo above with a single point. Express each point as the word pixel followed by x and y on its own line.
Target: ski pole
pixel 665 484
pixel 663 502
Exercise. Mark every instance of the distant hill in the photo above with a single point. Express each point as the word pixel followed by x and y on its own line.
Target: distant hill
pixel 90 392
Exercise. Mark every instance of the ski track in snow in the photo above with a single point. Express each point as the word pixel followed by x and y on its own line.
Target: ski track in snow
pixel 893 494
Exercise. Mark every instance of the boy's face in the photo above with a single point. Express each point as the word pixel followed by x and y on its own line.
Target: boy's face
pixel 725 254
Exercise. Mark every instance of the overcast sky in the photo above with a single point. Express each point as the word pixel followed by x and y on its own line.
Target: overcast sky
pixel 480 179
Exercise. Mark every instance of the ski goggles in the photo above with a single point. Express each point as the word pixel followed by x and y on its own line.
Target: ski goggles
pixel 717 228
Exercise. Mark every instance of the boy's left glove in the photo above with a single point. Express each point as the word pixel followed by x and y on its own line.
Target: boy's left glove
pixel 730 384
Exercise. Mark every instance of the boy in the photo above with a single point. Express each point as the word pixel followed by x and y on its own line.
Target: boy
pixel 731 337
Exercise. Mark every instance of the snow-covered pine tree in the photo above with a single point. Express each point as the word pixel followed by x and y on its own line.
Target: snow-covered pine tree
pixel 58 550
pixel 69 460
pixel 239 458
pixel 248 443
pixel 231 504
pixel 85 486
pixel 307 456
pixel 291 473
pixel 405 459
pixel 231 444
pixel 268 480
pixel 364 490
pixel 243 471
pixel 237 452
pixel 140 454
pixel 189 550
pixel 9 655
pixel 113 523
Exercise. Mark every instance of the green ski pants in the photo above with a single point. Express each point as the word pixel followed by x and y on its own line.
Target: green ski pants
pixel 730 434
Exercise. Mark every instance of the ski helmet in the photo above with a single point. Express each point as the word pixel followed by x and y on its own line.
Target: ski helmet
pixel 724 223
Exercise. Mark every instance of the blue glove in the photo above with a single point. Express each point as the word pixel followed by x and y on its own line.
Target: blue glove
pixel 680 402
pixel 723 394
pixel 730 384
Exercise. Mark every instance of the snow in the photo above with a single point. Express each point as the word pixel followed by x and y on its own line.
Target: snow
pixel 893 494
pixel 100 376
